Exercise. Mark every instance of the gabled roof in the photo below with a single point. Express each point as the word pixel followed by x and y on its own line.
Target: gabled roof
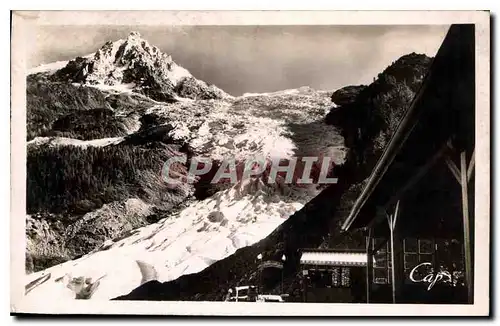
pixel 441 111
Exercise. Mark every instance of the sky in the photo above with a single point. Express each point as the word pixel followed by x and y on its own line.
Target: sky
pixel 253 59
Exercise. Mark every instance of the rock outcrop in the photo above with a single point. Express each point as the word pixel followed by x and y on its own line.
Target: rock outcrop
pixel 368 115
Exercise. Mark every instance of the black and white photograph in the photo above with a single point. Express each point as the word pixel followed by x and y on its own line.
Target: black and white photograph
pixel 340 164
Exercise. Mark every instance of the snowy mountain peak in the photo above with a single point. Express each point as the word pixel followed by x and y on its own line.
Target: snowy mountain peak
pixel 133 64
pixel 134 35
pixel 133 60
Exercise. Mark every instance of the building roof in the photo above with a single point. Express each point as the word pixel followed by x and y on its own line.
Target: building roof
pixel 441 111
pixel 331 258
pixel 244 287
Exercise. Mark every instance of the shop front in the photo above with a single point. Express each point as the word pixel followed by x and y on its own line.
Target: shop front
pixel 332 275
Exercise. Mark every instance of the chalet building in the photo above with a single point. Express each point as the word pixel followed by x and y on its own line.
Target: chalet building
pixel 417 208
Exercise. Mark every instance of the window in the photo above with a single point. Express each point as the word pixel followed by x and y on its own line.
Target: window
pixel 445 255
pixel 336 277
pixel 418 251
pixel 382 263
pixel 346 277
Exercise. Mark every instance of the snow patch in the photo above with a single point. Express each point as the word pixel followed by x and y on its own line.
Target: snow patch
pixel 63 141
pixel 181 244
pixel 291 91
pixel 225 133
pixel 284 92
pixel 52 67
pixel 117 88
pixel 48 67
pixel 177 74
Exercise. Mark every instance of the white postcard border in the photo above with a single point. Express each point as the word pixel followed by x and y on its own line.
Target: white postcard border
pixel 23 26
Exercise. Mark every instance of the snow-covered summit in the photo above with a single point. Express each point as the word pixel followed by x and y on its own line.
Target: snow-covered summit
pixel 141 66
pixel 131 60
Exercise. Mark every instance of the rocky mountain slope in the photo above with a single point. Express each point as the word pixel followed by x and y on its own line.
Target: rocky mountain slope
pixel 101 128
pixel 368 116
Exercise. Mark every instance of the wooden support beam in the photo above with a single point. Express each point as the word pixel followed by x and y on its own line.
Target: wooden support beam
pixel 395 216
pixel 369 266
pixel 463 177
pixel 453 168
pixel 394 239
pixel 471 165
pixel 467 244
pixel 393 278
pixel 392 219
pixel 304 285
